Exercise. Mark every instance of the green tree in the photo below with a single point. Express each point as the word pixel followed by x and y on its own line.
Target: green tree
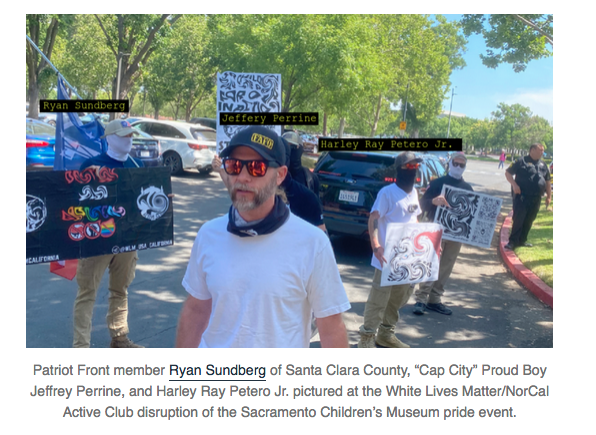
pixel 43 30
pixel 132 39
pixel 83 58
pixel 512 38
pixel 510 127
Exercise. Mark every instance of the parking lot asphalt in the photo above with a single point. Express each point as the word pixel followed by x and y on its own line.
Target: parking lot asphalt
pixel 490 309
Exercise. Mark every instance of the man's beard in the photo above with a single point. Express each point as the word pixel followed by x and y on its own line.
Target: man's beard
pixel 259 198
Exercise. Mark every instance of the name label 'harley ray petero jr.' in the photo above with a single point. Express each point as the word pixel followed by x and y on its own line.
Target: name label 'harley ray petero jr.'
pixel 379 144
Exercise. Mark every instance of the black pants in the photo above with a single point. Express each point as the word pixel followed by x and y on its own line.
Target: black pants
pixel 525 209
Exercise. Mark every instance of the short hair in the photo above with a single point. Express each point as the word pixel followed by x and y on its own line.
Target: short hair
pixel 536 145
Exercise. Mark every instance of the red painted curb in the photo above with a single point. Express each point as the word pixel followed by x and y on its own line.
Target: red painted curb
pixel 521 272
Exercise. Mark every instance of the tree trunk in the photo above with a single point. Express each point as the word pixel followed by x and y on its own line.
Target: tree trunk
pixel 377 115
pixel 324 123
pixel 342 124
pixel 156 114
pixel 33 94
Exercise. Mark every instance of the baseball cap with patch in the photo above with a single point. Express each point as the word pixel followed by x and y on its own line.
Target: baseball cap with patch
pixel 264 141
pixel 459 155
pixel 405 158
pixel 119 127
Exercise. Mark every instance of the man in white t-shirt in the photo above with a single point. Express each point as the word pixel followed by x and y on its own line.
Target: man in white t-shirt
pixel 256 275
pixel 395 203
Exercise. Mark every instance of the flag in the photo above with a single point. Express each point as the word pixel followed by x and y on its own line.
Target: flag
pixel 66 269
pixel 75 141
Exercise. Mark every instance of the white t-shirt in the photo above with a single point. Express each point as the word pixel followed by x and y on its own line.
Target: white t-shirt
pixel 264 289
pixel 394 206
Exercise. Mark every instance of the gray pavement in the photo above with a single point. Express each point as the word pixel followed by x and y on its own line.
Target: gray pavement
pixel 490 309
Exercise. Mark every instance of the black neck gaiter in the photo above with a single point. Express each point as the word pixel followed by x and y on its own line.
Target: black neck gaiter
pixel 275 219
pixel 405 179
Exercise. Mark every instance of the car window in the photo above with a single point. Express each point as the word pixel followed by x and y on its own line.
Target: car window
pixel 143 126
pixel 29 128
pixel 141 134
pixel 363 165
pixel 41 128
pixel 166 131
pixel 206 135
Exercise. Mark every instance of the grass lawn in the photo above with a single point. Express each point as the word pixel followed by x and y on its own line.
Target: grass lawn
pixel 539 258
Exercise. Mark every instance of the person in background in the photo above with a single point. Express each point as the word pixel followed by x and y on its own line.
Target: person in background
pixel 428 295
pixel 531 182
pixel 502 159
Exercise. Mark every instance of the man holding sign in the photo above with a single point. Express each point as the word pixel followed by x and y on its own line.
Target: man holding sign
pixel 428 295
pixel 395 203
pixel 121 266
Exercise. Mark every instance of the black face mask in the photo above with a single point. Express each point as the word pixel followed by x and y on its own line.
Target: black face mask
pixel 275 219
pixel 405 179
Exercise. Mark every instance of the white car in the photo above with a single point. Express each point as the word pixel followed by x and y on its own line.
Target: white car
pixel 184 145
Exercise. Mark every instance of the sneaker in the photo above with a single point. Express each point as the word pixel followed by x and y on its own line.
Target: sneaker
pixel 386 338
pixel 527 245
pixel 367 341
pixel 439 308
pixel 509 246
pixel 419 308
pixel 124 342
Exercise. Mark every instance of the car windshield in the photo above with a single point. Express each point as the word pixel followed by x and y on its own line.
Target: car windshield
pixel 206 135
pixel 41 128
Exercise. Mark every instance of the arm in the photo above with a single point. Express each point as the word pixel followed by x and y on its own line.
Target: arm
pixel 332 331
pixel 194 319
pixel 549 193
pixel 217 166
pixel 516 188
pixel 373 231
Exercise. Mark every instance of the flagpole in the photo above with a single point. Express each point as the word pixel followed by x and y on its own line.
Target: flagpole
pixel 53 67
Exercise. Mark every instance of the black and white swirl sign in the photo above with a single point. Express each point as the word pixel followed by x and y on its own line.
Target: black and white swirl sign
pixel 36 213
pixel 153 202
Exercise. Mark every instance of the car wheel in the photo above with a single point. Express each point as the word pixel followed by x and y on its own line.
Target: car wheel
pixel 174 161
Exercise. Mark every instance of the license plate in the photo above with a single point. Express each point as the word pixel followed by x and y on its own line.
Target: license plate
pixel 346 195
pixel 145 153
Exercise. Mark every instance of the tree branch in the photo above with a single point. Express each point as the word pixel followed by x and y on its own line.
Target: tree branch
pixel 548 37
pixel 110 44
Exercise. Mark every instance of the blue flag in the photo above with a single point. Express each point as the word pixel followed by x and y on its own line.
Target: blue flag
pixel 75 141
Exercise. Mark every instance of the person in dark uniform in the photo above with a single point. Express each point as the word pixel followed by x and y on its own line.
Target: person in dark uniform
pixel 428 295
pixel 303 202
pixel 532 180
pixel 299 173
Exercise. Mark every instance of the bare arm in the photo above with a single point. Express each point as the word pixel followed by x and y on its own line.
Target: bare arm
pixel 549 193
pixel 373 231
pixel 516 188
pixel 193 321
pixel 332 331
pixel 217 166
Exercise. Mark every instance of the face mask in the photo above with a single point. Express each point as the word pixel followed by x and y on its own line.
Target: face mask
pixel 405 179
pixel 119 147
pixel 455 171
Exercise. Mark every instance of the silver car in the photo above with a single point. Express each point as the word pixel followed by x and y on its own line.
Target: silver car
pixel 184 145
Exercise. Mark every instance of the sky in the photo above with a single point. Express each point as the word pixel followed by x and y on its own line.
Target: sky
pixel 479 89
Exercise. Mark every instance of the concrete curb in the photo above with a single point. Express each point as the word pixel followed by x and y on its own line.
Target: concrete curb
pixel 521 272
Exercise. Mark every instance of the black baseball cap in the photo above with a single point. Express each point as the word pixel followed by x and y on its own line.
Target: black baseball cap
pixel 264 141
pixel 405 158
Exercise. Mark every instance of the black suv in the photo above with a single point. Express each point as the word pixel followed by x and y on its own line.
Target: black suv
pixel 350 182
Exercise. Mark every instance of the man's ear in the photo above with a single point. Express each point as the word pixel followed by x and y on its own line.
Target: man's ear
pixel 281 174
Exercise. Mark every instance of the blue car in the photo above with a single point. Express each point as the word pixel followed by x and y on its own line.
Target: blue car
pixel 41 138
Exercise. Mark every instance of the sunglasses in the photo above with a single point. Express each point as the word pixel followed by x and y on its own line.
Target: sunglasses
pixel 461 165
pixel 411 166
pixel 255 168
